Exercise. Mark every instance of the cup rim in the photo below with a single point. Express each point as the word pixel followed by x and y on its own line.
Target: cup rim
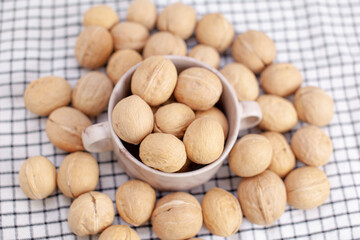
pixel 196 172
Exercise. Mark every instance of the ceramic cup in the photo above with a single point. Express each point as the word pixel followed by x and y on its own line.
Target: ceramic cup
pixel 102 137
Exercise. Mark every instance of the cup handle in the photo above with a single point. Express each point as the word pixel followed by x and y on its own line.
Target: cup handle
pixel 97 138
pixel 251 114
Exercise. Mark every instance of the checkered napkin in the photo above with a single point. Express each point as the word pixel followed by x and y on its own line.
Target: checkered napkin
pixel 320 37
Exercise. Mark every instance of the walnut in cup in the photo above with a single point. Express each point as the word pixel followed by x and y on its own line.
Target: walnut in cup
pixel 216 114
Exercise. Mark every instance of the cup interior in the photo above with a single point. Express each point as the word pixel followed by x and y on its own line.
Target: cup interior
pixel 228 104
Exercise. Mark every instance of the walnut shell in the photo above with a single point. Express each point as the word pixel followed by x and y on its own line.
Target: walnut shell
pixel 78 174
pixel 204 140
pixel 279 114
pixel 37 177
pixel 154 80
pixel 129 35
pixel 120 62
pixel 93 47
pixel 242 80
pixel 251 155
pixel 132 119
pixel 314 105
pixel 177 18
pixel 217 115
pixel 46 94
pixel 64 128
pixel 135 201
pixel 100 15
pixel 221 211
pixel 254 49
pixel 215 30
pixel 90 213
pixel 206 54
pixel 283 159
pixel 162 151
pixel 173 118
pixel 281 79
pixel 198 88
pixel 312 146
pixel 164 43
pixel 177 216
pixel 262 198
pixel 119 232
pixel 143 12
pixel 307 187
pixel 92 93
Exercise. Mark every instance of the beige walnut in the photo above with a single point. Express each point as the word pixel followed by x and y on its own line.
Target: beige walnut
pixel 177 18
pixel 93 47
pixel 143 12
pixel 46 94
pixel 37 177
pixel 206 54
pixel 119 232
pixel 307 187
pixel 215 30
pixel 164 43
pixel 217 115
pixel 177 216
pixel 100 15
pixel 64 128
pixel 135 201
pixel 254 49
pixel 242 80
pixel 262 198
pixel 129 35
pixel 221 211
pixel 120 62
pixel 92 93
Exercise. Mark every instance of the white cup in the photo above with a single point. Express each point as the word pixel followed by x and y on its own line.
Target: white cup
pixel 102 137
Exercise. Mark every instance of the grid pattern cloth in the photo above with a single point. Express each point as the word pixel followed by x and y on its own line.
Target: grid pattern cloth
pixel 321 38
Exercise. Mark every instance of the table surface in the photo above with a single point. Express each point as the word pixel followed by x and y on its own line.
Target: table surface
pixel 321 38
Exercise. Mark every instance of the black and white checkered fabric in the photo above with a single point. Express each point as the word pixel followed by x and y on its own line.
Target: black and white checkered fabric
pixel 320 37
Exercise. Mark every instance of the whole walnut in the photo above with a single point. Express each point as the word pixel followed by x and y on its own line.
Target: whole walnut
pixel 215 30
pixel 37 177
pixel 119 232
pixel 92 93
pixel 281 79
pixel 204 140
pixel 283 159
pixel 93 47
pixel 132 119
pixel 217 115
pixel 143 12
pixel 164 43
pixel 312 146
pixel 135 201
pixel 198 88
pixel 250 156
pixel 162 151
pixel 120 62
pixel 78 174
pixel 279 114
pixel 154 80
pixel 221 211
pixel 262 198
pixel 206 54
pixel 177 18
pixel 242 80
pixel 129 35
pixel 64 128
pixel 46 94
pixel 254 49
pixel 314 105
pixel 173 118
pixel 177 216
pixel 307 187
pixel 100 15
pixel 90 214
